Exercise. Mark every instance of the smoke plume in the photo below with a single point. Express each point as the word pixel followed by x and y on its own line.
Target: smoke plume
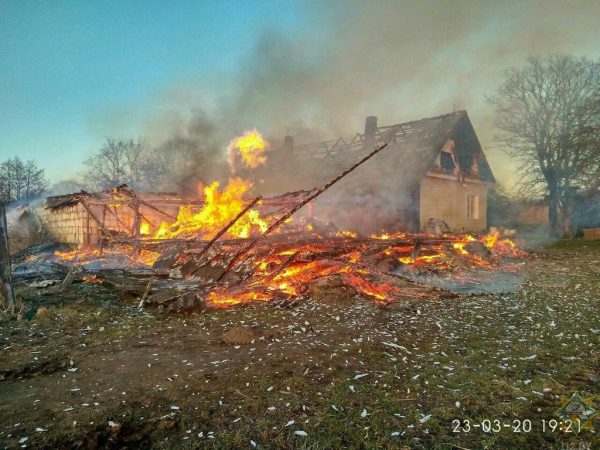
pixel 399 60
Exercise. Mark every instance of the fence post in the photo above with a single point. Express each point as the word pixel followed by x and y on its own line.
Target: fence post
pixel 5 266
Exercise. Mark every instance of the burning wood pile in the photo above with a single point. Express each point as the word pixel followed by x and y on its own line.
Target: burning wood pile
pixel 316 262
pixel 227 251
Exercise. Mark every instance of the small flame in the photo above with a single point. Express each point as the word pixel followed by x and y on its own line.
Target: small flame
pixel 346 233
pixel 490 239
pixel 501 245
pixel 460 247
pixel 387 236
pixel 250 147
pixel 91 279
pixel 223 300
pixel 144 228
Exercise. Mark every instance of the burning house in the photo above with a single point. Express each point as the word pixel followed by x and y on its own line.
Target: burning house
pixel 433 176
pixel 434 171
pixel 226 248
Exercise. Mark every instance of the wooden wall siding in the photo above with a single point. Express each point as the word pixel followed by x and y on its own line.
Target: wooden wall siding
pixel 73 225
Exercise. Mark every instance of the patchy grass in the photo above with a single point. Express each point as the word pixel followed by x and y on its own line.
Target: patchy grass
pixel 576 244
pixel 356 376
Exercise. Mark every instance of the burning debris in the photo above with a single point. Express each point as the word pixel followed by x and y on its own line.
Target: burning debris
pixel 175 254
pixel 288 267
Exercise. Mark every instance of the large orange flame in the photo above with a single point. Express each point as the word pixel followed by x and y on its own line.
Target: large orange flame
pixel 219 208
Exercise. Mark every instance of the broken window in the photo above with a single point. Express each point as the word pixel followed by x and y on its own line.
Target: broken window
pixel 446 161
pixel 472 206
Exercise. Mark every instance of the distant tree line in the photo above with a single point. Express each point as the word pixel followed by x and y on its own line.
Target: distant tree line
pixel 21 180
pixel 134 162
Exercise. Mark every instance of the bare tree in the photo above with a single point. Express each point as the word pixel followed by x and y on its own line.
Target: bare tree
pixel 544 111
pixel 118 162
pixel 19 180
pixel 148 168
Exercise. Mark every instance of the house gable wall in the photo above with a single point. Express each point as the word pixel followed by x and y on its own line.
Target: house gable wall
pixel 446 199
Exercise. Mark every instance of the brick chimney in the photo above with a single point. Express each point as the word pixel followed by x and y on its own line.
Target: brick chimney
pixel 288 143
pixel 370 128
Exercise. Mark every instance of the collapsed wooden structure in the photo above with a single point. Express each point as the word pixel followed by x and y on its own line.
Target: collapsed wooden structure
pixel 283 263
pixel 87 218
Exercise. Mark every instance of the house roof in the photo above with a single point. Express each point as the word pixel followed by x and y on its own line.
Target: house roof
pixel 122 194
pixel 416 144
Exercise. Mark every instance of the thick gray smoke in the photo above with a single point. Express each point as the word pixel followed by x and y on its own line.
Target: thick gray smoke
pixel 399 60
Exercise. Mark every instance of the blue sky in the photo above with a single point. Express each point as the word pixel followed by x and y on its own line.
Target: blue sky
pixel 64 62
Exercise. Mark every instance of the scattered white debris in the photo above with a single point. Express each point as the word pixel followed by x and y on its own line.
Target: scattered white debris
pixel 291 422
pixel 300 433
pixel 425 418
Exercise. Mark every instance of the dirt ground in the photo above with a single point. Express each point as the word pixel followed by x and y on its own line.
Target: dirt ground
pixel 91 370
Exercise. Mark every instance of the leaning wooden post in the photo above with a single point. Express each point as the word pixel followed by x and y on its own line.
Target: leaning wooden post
pixel 5 266
pixel 226 228
pixel 296 207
